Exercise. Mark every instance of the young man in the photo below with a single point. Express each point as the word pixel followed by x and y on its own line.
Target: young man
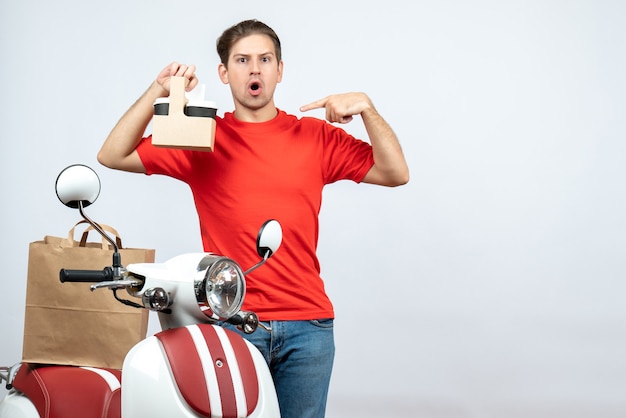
pixel 268 164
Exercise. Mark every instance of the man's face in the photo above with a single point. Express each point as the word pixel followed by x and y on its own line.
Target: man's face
pixel 253 72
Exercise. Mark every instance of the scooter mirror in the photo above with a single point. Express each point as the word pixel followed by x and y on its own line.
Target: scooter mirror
pixel 77 183
pixel 269 239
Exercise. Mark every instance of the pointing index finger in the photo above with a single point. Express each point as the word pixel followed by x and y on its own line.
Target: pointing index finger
pixel 318 104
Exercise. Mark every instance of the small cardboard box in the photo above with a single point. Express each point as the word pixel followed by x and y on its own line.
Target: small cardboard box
pixel 182 125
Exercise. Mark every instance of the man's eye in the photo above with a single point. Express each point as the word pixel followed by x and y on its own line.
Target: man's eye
pixel 242 60
pixel 266 59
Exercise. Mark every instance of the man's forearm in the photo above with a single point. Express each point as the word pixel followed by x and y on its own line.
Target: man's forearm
pixel 390 165
pixel 118 149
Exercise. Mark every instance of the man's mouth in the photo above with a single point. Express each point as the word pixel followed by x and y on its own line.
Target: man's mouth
pixel 254 88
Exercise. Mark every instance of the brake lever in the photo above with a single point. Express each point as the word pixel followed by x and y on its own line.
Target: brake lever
pixel 116 284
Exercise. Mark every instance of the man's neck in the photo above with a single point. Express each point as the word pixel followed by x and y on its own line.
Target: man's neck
pixel 264 114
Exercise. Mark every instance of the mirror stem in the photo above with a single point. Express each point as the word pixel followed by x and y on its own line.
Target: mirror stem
pixel 116 251
pixel 256 266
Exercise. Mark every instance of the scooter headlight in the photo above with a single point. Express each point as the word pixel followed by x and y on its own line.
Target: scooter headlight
pixel 220 293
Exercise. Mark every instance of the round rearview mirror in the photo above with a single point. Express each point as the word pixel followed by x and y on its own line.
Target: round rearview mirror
pixel 269 239
pixel 77 184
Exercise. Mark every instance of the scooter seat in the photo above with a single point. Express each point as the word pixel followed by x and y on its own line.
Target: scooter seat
pixel 70 391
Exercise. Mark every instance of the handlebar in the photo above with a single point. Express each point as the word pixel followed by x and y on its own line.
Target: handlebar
pixel 86 276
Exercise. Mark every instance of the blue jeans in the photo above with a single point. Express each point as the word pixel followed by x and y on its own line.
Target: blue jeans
pixel 300 356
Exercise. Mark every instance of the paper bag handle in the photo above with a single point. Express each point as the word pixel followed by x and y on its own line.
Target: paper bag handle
pixel 83 239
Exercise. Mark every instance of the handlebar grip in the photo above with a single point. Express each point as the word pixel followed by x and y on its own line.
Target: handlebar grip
pixel 86 276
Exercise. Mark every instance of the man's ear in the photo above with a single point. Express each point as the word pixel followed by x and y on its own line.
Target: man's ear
pixel 222 72
pixel 280 71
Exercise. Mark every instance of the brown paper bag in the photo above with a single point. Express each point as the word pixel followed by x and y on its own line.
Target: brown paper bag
pixel 67 323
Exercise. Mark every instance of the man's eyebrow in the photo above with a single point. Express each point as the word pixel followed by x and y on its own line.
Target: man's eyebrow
pixel 245 55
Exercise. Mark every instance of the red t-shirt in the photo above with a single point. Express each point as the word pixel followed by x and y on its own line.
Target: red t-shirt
pixel 269 170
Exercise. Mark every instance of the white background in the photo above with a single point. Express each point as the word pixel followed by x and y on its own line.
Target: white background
pixel 492 285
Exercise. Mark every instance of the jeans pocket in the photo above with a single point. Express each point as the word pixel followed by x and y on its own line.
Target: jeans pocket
pixel 323 323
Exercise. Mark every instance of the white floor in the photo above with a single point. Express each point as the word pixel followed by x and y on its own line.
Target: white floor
pixel 386 408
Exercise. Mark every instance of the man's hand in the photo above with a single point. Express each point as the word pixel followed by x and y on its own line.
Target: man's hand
pixel 180 70
pixel 341 107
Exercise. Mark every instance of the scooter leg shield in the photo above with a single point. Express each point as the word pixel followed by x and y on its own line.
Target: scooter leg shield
pixel 198 370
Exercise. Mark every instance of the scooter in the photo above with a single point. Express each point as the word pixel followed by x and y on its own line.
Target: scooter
pixel 192 368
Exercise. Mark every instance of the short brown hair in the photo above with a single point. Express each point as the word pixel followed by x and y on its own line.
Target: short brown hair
pixel 242 29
